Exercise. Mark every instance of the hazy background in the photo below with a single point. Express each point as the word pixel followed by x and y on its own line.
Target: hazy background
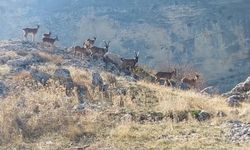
pixel 211 35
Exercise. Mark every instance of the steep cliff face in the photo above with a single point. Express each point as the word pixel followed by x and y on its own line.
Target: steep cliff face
pixel 211 35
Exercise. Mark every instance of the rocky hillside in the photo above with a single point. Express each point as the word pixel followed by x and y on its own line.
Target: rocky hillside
pixel 50 99
pixel 211 35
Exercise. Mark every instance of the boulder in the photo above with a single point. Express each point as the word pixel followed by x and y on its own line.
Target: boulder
pixel 203 116
pixel 234 100
pixel 40 76
pixel 3 89
pixel 246 85
pixel 97 80
pixel 65 79
pixel 81 91
pixel 184 86
pixel 240 89
pixel 4 59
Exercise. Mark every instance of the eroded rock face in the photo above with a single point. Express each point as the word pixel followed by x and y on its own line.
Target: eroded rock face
pixel 239 93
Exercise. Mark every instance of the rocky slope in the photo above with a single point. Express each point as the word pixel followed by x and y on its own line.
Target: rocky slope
pixel 50 99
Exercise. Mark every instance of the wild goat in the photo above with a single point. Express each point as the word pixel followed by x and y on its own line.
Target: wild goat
pixel 32 31
pixel 50 41
pixel 89 43
pixel 113 58
pixel 130 63
pixel 47 35
pixel 100 52
pixel 191 82
pixel 82 51
pixel 165 75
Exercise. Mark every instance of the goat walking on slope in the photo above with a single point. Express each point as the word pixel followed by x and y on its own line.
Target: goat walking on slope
pixel 191 82
pixel 100 52
pixel 31 31
pixel 130 63
pixel 165 75
pixel 50 41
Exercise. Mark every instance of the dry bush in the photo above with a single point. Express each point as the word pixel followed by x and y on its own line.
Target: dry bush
pixel 51 58
pixel 21 76
pixel 111 79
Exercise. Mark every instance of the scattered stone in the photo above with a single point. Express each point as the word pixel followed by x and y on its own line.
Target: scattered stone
pixel 79 108
pixel 127 118
pixel 4 59
pixel 203 116
pixel 238 131
pixel 21 103
pixel 121 91
pixel 151 117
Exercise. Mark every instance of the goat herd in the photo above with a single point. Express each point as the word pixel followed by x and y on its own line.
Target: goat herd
pixel 89 49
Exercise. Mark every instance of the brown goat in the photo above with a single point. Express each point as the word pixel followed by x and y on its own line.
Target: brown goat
pixel 100 52
pixel 165 75
pixel 130 63
pixel 191 82
pixel 32 31
pixel 50 40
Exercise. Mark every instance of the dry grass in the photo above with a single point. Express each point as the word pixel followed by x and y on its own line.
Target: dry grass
pixel 37 117
pixel 51 58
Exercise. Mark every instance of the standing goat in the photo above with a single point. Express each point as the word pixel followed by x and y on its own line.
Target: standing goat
pixel 50 41
pixel 130 63
pixel 47 35
pixel 89 43
pixel 32 31
pixel 100 52
pixel 165 75
pixel 191 82
pixel 82 51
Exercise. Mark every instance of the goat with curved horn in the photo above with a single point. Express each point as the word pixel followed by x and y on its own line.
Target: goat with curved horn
pixel 130 63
